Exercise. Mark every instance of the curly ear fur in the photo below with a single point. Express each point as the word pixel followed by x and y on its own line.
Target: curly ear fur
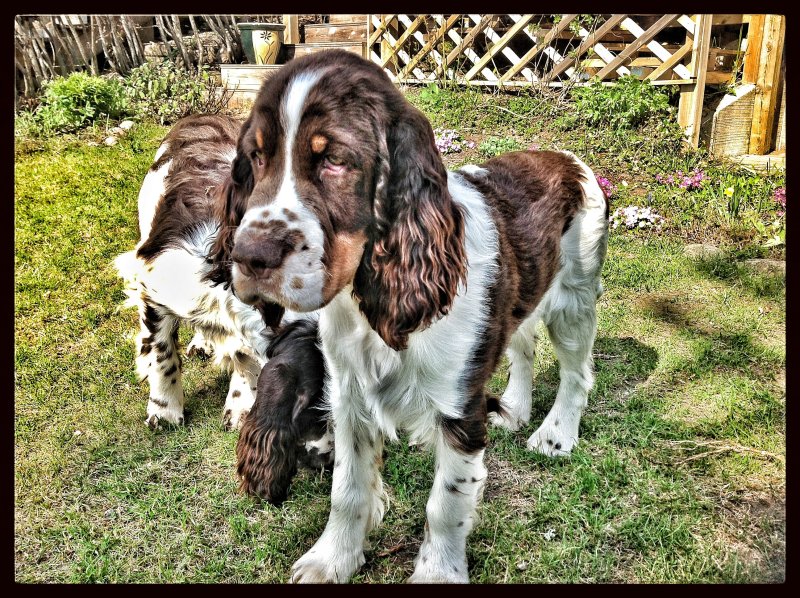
pixel 410 271
pixel 231 207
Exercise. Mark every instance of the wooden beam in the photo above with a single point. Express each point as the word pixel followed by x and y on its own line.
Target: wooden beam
pixel 640 41
pixel 752 56
pixel 690 109
pixel 587 43
pixel 530 54
pixel 498 46
pixel 676 57
pixel 432 41
pixel 767 84
pixel 291 32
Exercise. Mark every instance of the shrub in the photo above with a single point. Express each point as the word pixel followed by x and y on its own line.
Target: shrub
pixel 166 93
pixel 623 105
pixel 71 103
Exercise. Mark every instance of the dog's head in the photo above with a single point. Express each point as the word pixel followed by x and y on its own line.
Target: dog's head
pixel 337 182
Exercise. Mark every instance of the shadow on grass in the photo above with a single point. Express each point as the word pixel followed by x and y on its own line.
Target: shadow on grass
pixel 725 269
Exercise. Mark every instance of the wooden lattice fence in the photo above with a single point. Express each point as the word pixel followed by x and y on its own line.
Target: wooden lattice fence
pixel 554 50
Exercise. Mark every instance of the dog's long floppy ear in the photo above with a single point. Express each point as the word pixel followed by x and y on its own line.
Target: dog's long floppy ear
pixel 230 206
pixel 415 257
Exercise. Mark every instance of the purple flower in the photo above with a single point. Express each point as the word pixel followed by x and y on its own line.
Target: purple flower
pixel 780 198
pixel 449 141
pixel 690 180
pixel 606 185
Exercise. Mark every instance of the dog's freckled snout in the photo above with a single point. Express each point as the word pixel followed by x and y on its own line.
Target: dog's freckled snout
pixel 259 254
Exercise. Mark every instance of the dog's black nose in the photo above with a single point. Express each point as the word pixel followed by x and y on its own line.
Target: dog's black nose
pixel 258 253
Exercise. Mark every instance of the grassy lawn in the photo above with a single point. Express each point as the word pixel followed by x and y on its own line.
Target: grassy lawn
pixel 679 476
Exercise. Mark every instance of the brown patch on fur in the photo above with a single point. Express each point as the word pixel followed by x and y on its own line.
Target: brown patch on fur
pixel 260 138
pixel 297 282
pixel 318 143
pixel 345 255
pixel 290 216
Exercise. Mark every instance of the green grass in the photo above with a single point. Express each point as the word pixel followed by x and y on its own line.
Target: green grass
pixel 679 476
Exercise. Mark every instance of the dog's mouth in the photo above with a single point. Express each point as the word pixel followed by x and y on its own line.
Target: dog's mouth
pixel 271 312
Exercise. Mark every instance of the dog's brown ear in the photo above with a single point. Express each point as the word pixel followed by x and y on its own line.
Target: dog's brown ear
pixel 231 205
pixel 415 258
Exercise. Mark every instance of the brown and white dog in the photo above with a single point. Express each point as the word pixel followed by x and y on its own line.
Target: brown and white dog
pixel 169 278
pixel 340 203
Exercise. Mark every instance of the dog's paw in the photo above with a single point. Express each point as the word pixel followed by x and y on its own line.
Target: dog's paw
pixel 320 565
pixel 158 416
pixel 428 570
pixel 199 347
pixel 507 421
pixel 232 419
pixel 554 438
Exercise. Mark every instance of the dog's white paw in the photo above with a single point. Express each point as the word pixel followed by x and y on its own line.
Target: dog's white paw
pixel 233 418
pixel 554 438
pixel 508 421
pixel 158 414
pixel 322 565
pixel 199 346
pixel 430 570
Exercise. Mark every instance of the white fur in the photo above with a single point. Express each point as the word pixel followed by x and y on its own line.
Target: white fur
pixel 297 262
pixel 151 193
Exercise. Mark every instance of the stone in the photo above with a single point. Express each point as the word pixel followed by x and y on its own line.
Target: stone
pixel 111 140
pixel 702 251
pixel 126 125
pixel 763 266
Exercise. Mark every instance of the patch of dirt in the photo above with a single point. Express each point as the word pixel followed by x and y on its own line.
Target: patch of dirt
pixel 514 483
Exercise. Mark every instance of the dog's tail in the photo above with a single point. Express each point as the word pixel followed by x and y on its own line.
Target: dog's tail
pixel 130 269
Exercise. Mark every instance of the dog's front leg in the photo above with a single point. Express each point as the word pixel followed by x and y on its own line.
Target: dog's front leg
pixel 357 495
pixel 451 514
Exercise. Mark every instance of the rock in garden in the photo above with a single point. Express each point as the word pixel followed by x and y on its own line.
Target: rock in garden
pixel 702 251
pixel 110 140
pixel 118 131
pixel 126 125
pixel 767 266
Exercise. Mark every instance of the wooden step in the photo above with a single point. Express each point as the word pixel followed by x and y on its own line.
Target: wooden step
pixel 342 32
pixel 339 19
pixel 296 50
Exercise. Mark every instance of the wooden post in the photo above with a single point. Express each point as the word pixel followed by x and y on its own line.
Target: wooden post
pixel 690 108
pixel 387 51
pixel 764 70
pixel 291 34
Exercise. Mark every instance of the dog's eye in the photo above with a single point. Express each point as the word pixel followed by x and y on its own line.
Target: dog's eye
pixel 258 158
pixel 333 161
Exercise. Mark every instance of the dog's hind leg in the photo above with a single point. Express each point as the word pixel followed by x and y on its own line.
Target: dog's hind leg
pixel 516 400
pixel 159 362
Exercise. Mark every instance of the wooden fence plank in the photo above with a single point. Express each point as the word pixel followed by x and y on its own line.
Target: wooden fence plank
pixel 423 52
pixel 693 97
pixel 405 35
pixel 588 41
pixel 655 47
pixel 767 84
pixel 638 43
pixel 530 54
pixel 465 42
pixel 676 57
pixel 499 45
